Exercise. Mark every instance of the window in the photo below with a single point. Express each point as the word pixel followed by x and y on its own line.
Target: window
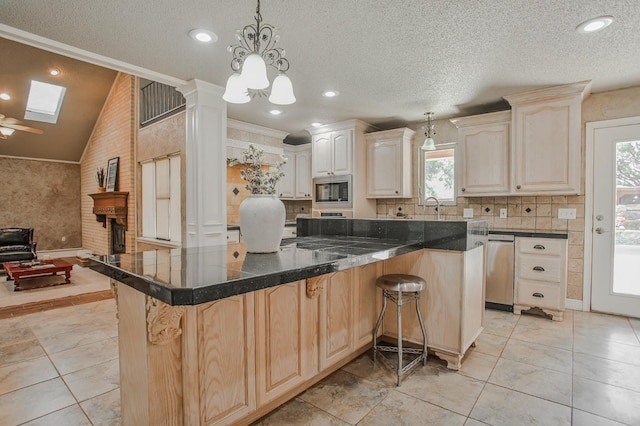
pixel 438 173
pixel 44 102
pixel 161 213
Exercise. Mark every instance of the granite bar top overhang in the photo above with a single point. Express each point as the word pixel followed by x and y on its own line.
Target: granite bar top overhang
pixel 191 276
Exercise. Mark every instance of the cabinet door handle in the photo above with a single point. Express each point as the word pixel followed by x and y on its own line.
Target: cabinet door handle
pixel 396 192
pixel 464 189
pixel 539 247
pixel 538 295
pixel 538 268
pixel 518 186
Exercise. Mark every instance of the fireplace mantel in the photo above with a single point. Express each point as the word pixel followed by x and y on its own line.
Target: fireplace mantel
pixel 112 205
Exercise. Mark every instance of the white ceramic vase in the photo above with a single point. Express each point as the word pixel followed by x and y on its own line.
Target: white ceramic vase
pixel 262 219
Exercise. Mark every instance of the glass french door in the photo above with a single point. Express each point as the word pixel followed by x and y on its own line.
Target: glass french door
pixel 616 220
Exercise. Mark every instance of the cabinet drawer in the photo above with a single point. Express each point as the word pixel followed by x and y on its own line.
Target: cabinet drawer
pixel 544 246
pixel 546 295
pixel 540 268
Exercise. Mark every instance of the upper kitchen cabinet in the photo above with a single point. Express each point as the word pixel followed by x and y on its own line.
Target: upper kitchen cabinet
pixel 338 149
pixel 547 139
pixel 389 163
pixel 296 182
pixel 483 141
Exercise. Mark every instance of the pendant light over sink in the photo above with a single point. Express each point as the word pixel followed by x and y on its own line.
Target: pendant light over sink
pixel 257 50
pixel 429 132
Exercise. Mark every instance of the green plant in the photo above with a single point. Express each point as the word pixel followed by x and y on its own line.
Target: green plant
pixel 100 176
pixel 260 181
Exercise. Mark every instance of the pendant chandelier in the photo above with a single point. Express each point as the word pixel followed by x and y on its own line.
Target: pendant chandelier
pixel 429 132
pixel 257 49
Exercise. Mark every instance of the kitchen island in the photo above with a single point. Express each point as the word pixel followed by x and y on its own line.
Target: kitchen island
pixel 215 335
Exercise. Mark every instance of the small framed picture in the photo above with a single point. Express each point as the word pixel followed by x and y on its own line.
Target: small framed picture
pixel 112 175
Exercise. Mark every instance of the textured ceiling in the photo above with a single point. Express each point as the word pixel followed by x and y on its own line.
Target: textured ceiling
pixel 391 60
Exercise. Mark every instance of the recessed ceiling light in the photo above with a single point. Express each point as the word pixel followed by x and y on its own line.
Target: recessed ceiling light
pixel 330 93
pixel 203 36
pixel 54 72
pixel 595 24
pixel 275 112
pixel 5 96
pixel 316 124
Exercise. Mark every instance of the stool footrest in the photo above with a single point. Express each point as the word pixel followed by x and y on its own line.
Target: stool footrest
pixel 405 369
pixel 395 349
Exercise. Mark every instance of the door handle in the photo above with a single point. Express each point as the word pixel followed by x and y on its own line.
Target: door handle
pixel 538 295
pixel 599 230
pixel 539 247
pixel 538 268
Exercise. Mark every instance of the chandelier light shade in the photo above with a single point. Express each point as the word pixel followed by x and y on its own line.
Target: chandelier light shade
pixel 257 50
pixel 282 91
pixel 254 72
pixel 236 91
pixel 429 131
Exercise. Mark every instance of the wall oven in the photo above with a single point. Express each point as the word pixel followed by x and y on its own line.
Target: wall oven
pixel 333 192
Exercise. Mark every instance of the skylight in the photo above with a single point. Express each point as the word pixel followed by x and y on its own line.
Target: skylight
pixel 44 102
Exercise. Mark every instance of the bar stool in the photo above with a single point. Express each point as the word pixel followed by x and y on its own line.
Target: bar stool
pixel 401 289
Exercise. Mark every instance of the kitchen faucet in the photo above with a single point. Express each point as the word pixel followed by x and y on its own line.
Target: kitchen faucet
pixel 437 204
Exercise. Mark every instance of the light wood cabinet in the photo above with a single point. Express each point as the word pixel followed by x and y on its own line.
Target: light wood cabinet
pixel 452 305
pixel 484 143
pixel 227 357
pixel 296 182
pixel 541 275
pixel 389 163
pixel 337 314
pixel 332 153
pixel 547 131
pixel 285 336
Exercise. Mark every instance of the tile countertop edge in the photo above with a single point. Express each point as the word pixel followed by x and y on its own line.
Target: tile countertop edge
pixel 175 296
pixel 406 236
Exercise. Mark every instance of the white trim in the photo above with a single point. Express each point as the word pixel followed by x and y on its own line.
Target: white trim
pixel 591 127
pixel 163 243
pixel 575 305
pixel 34 40
pixel 254 128
pixel 243 145
pixel 40 159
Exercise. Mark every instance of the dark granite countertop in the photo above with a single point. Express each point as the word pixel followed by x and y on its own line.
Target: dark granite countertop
pixel 190 276
pixel 530 233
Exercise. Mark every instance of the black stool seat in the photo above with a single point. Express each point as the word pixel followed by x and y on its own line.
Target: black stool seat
pixel 401 289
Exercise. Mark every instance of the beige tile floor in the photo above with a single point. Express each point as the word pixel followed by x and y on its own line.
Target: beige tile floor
pixel 60 367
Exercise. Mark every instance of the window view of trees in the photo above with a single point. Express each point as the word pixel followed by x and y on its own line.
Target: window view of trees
pixel 439 177
pixel 628 191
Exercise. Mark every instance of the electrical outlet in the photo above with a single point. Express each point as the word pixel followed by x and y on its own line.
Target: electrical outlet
pixel 566 213
pixel 467 213
pixel 503 213
pixel 64 239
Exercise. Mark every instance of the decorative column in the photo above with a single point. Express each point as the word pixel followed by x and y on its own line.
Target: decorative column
pixel 206 165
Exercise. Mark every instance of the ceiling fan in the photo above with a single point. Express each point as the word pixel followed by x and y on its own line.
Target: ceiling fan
pixel 8 125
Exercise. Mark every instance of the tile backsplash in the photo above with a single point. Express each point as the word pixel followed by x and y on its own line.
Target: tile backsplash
pixel 523 213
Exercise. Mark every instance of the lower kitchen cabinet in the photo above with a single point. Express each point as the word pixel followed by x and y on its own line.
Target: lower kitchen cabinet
pixel 541 275
pixel 452 305
pixel 285 332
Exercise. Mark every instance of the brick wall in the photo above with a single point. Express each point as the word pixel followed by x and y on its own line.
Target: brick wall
pixel 113 136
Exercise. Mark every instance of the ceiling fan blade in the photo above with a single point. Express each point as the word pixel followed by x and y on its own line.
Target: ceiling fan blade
pixel 22 128
pixel 9 120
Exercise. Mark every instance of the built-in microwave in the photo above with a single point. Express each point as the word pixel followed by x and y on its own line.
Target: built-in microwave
pixel 333 192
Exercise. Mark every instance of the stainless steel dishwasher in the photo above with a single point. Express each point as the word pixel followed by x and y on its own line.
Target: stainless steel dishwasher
pixel 500 255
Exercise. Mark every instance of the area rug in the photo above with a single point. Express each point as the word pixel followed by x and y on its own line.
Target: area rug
pixel 83 281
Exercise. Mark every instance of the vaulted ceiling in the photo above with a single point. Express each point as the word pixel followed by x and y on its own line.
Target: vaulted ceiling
pixel 87 89
pixel 390 60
